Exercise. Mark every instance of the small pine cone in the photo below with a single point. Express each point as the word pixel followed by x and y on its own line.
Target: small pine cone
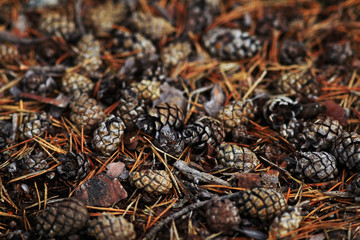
pixel 35 161
pixel 261 204
pixel 73 166
pixel 152 27
pixel 346 149
pixel 201 13
pixel 272 151
pixel 130 108
pixel 302 84
pixel 354 187
pixel 5 133
pixel 110 227
pixel 173 54
pixel 102 17
pixel 292 52
pixel 89 53
pixel 152 181
pixel 241 158
pixel 34 124
pixel 62 218
pixel 8 53
pixel 72 82
pixel 230 44
pixel 86 112
pixel 321 133
pixel 146 90
pixel 155 72
pixel 317 166
pixel 107 136
pixel 280 110
pixel 203 133
pixel 286 223
pixel 338 53
pixel 54 23
pixel 37 83
pixel 222 216
pixel 126 42
pixel 236 113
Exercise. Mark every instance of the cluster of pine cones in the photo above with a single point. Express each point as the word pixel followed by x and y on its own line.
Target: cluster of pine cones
pixel 148 83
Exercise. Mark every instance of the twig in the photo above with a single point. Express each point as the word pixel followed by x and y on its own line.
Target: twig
pixel 5 36
pixel 78 20
pixel 184 211
pixel 56 68
pixel 201 176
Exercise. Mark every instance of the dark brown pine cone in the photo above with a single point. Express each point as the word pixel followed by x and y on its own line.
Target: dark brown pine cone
pixel 110 227
pixel 35 161
pixel 222 216
pixel 230 44
pixel 285 223
pixel 200 14
pixel 292 52
pixel 136 43
pixel 176 52
pixel 73 166
pixel 86 112
pixel 8 53
pixel 317 166
pixel 261 204
pixel 146 90
pixel 37 83
pixel 241 158
pixel 5 133
pixel 272 151
pixel 280 110
pixel 89 56
pixel 107 136
pixel 354 187
pixel 72 82
pixel 54 23
pixel 321 133
pixel 155 72
pixel 152 181
pixel 204 133
pixel 346 149
pixel 297 83
pixel 62 218
pixel 236 113
pixel 34 124
pixel 152 27
pixel 271 20
pixel 102 17
pixel 338 53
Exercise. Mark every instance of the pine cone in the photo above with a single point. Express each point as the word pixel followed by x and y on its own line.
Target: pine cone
pixel 241 158
pixel 135 43
pixel 175 53
pixel 338 53
pixel 201 13
pixel 203 133
pixel 298 83
pixel 85 112
pixel 37 83
pixel 73 166
pixel 155 72
pixel 102 17
pixel 130 108
pixel 8 53
pixel 107 136
pixel 354 187
pixel 261 204
pixel 53 23
pixel 317 166
pixel 152 27
pixel 34 124
pixel 286 223
pixel 146 90
pixel 280 110
pixel 346 149
pixel 35 161
pixel 72 82
pixel 293 52
pixel 236 113
pixel 321 133
pixel 152 181
pixel 5 133
pixel 222 216
pixel 62 218
pixel 110 227
pixel 89 55
pixel 230 44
